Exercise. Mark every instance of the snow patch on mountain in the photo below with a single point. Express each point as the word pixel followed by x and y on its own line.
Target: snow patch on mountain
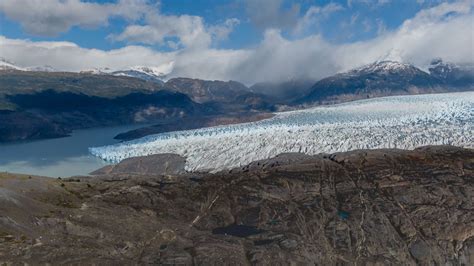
pixel 150 73
pixel 384 67
pixel 8 65
pixel 403 122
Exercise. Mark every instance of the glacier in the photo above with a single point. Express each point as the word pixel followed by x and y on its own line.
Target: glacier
pixel 403 122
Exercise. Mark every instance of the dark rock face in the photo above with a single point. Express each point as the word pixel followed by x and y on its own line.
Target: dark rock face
pixel 202 91
pixel 365 207
pixel 21 126
pixel 226 96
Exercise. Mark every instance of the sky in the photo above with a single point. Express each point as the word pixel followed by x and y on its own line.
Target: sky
pixel 244 40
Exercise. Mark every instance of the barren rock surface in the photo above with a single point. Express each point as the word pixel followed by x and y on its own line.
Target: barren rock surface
pixel 158 164
pixel 366 207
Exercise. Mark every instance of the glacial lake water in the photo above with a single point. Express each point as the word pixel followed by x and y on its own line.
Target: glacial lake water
pixel 60 157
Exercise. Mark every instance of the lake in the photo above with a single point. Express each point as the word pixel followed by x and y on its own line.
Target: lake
pixel 60 157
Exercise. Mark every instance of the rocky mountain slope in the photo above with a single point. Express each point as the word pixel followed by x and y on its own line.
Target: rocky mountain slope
pixel 362 207
pixel 283 92
pixel 451 74
pixel 153 74
pixel 384 78
pixel 35 105
pixel 206 90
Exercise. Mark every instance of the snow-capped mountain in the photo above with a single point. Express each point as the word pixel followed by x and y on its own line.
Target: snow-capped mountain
pixel 382 78
pixel 385 67
pixel 150 73
pixel 403 122
pixel 452 74
pixel 145 73
pixel 8 65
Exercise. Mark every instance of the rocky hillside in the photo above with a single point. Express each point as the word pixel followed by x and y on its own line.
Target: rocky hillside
pixel 284 92
pixel 50 114
pixel 384 78
pixel 202 91
pixel 35 105
pixel 13 82
pixel 362 207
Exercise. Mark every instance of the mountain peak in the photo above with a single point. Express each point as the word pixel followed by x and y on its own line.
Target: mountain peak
pixel 385 66
pixel 381 78
pixel 9 65
pixel 459 75
pixel 159 71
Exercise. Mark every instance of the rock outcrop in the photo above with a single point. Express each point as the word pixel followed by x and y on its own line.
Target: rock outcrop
pixel 157 164
pixel 362 207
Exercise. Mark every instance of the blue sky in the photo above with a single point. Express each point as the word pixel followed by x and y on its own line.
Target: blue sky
pixel 244 40
pixel 354 21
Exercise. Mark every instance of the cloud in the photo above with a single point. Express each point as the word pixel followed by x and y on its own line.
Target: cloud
pixel 70 57
pixel 51 17
pixel 270 14
pixel 188 31
pixel 221 32
pixel 313 15
pixel 370 3
pixel 442 31
pixel 273 14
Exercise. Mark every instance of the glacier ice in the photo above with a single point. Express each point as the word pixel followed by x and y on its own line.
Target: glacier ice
pixel 404 122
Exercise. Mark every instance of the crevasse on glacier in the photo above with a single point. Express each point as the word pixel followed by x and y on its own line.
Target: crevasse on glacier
pixel 403 122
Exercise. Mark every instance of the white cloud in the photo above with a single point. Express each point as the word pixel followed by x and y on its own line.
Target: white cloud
pixel 313 15
pixel 442 31
pixel 51 17
pixel 370 3
pixel 221 32
pixel 70 57
pixel 189 31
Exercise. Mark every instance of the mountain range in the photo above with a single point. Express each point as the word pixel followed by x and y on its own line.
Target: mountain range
pixel 149 73
pixel 386 78
pixel 41 102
